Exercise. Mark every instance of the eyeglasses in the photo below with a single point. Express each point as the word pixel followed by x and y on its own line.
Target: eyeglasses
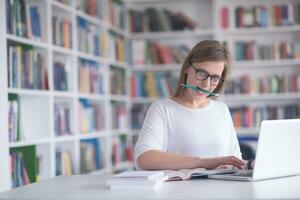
pixel 202 75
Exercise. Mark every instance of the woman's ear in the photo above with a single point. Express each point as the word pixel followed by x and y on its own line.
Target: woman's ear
pixel 186 70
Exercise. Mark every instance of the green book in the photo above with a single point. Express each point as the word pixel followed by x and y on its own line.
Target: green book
pixel 30 161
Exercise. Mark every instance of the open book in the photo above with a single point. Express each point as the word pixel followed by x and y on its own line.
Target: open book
pixel 185 174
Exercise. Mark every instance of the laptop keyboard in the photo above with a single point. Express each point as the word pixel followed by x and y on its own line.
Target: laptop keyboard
pixel 248 174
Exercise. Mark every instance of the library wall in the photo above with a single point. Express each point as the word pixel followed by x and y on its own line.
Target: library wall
pixel 80 75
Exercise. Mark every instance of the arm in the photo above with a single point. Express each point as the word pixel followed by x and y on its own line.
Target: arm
pixel 159 160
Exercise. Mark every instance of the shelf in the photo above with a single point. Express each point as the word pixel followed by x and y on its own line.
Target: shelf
pixel 91 57
pixel 64 138
pixel 29 92
pixel 266 63
pixel 122 98
pixel 93 135
pixel 119 64
pixel 67 94
pixel 31 142
pixel 253 131
pixel 171 34
pixel 154 67
pixel 236 64
pixel 62 6
pixel 92 96
pixel 144 99
pixel 117 132
pixel 91 19
pixel 62 50
pixel 261 97
pixel 261 30
pixel 118 30
pixel 27 41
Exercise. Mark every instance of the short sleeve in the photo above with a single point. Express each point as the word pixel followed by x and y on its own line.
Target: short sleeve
pixel 234 148
pixel 152 136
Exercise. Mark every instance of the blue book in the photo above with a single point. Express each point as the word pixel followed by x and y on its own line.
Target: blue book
pixel 96 144
pixel 35 21
pixel 263 17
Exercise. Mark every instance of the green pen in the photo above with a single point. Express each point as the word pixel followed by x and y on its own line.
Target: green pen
pixel 200 89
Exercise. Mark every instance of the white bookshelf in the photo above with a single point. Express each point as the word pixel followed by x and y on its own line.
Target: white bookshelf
pixel 38 105
pixel 172 34
pixel 4 144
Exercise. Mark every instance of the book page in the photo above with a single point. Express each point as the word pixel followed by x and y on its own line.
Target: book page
pixel 183 174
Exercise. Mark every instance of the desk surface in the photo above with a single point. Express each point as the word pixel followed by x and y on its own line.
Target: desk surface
pixel 93 187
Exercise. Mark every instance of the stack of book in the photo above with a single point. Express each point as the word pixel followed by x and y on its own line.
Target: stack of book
pixel 122 151
pixel 137 180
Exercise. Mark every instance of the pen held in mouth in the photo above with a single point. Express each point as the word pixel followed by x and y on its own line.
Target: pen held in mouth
pixel 200 89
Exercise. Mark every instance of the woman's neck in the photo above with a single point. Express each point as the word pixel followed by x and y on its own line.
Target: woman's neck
pixel 190 102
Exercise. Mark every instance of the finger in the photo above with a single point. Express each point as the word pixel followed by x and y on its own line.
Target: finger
pixel 237 160
pixel 222 167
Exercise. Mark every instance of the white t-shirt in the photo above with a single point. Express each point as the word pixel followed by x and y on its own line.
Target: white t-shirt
pixel 171 127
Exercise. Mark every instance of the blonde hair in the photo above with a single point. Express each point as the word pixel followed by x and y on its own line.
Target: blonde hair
pixel 207 50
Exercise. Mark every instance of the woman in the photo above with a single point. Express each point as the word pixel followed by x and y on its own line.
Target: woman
pixel 191 129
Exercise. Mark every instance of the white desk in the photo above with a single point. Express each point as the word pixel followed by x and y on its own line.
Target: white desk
pixel 92 187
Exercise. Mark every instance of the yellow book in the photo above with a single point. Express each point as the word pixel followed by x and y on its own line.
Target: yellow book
pixel 150 84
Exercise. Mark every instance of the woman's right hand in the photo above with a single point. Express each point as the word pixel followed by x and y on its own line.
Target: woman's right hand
pixel 213 163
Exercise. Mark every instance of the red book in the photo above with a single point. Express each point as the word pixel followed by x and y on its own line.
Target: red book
pixel 133 86
pixel 224 17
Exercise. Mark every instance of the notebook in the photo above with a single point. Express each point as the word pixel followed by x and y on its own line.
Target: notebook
pixel 137 180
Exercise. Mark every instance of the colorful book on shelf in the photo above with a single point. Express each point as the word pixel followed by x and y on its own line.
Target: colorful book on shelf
pixel 119 115
pixel 23 19
pixel 88 37
pixel 63 162
pixel 61 31
pixel 121 151
pixel 224 21
pixel 273 84
pixel 246 117
pixel 27 67
pixel 90 152
pixel 154 20
pixel 14 118
pixel 24 164
pixel 263 15
pixel 91 116
pixel 35 22
pixel 62 118
pixel 116 13
pixel 117 79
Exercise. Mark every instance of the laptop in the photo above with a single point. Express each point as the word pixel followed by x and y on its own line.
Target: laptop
pixel 277 152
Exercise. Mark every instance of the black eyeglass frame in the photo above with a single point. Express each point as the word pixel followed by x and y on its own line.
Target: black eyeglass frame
pixel 221 79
